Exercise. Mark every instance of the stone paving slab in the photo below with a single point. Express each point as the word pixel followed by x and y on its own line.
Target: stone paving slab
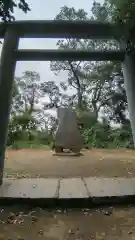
pixel 68 189
pixel 29 188
pixel 72 188
pixel 109 187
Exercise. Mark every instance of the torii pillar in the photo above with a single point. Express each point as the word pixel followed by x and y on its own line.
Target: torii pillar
pixel 7 69
pixel 128 67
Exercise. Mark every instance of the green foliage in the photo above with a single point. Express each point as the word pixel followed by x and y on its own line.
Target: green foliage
pixel 28 144
pixel 124 13
pixel 119 3
pixel 103 136
pixel 7 8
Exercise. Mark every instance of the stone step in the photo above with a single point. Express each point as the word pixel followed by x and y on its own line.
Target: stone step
pixel 71 192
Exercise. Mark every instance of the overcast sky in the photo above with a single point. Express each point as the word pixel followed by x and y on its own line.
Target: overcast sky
pixel 45 10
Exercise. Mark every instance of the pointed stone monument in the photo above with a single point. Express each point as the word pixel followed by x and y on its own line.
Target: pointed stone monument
pixel 68 135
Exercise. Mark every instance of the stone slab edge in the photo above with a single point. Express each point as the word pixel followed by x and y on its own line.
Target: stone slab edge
pixel 70 203
pixel 85 202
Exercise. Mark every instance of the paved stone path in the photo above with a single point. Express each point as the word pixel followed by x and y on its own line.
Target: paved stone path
pixel 67 188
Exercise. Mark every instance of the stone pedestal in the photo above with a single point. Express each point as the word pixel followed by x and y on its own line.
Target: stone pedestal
pixel 68 135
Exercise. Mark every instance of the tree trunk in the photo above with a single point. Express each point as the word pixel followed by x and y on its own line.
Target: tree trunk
pixel 79 94
pixel 95 109
pixel 79 89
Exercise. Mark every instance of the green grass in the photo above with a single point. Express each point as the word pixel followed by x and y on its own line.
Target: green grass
pixel 28 144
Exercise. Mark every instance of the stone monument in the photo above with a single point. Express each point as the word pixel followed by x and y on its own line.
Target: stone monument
pixel 68 135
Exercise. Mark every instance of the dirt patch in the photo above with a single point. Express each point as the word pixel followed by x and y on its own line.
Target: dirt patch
pixel 95 162
pixel 83 224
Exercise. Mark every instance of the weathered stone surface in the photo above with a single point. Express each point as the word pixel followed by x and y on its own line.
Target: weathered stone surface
pixel 30 188
pixel 108 187
pixel 68 188
pixel 68 135
pixel 72 188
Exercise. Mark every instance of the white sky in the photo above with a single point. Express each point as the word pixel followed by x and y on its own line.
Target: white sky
pixel 45 10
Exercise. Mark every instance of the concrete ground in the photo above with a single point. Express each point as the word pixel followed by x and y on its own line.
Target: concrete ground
pixel 24 223
pixel 96 162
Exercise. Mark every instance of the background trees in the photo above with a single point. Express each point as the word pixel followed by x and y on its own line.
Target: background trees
pixel 94 89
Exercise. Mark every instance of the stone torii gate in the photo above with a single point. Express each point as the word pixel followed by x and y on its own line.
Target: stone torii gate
pixel 11 33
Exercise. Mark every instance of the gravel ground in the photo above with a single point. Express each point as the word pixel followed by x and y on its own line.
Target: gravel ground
pixel 96 162
pixel 24 223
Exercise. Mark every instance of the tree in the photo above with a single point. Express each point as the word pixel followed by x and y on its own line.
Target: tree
pixel 56 95
pixel 114 100
pixel 124 13
pixel 71 67
pixel 52 92
pixel 26 94
pixel 7 8
pixel 117 107
pixel 85 78
pixel 30 91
